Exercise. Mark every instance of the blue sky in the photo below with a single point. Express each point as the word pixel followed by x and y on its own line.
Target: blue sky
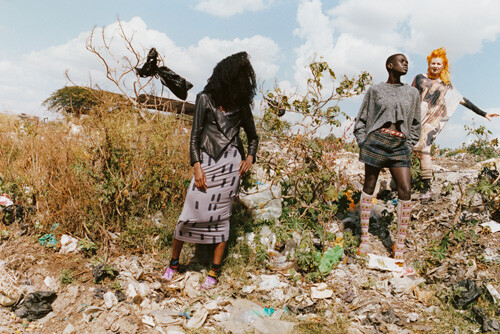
pixel 42 39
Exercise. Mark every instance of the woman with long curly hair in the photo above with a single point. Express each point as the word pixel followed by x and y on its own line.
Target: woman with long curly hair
pixel 218 158
pixel 439 101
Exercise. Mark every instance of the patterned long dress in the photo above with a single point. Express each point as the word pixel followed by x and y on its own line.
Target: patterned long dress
pixel 439 102
pixel 206 214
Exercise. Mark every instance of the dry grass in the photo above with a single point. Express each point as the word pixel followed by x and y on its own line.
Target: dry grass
pixel 110 176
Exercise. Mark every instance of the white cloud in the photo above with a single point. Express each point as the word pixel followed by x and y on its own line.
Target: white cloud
pixel 419 26
pixel 347 54
pixel 228 8
pixel 25 83
pixel 358 35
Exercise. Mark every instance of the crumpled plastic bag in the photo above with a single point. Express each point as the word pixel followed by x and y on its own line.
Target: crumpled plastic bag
pixel 275 106
pixel 9 292
pixel 330 258
pixel 36 305
pixel 487 324
pixel 470 292
pixel 177 84
pixel 247 316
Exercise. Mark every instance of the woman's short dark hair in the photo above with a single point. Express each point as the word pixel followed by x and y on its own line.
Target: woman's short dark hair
pixel 232 83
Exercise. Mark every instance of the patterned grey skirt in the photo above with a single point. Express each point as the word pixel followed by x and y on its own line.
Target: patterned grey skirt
pixel 205 215
pixel 381 150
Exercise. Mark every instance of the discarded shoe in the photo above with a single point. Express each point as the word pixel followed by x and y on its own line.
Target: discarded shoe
pixel 168 274
pixel 209 283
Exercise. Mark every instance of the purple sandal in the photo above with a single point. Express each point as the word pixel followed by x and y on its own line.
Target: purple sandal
pixel 209 283
pixel 169 274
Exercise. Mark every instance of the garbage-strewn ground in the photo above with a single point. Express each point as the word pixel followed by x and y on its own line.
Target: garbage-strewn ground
pixel 445 246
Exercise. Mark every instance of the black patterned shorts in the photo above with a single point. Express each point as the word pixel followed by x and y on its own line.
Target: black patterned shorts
pixel 381 149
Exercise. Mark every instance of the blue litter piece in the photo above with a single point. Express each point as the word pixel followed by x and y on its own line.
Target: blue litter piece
pixel 395 201
pixel 48 240
pixel 185 315
pixel 269 311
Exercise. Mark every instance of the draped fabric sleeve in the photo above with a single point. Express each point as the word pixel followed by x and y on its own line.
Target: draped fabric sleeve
pixel 360 123
pixel 471 106
pixel 202 101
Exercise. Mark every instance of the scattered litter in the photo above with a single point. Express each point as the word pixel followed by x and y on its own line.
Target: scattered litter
pixel 247 316
pixel 69 329
pixel 166 317
pixel 68 244
pixel 9 292
pixel 407 271
pixel 99 292
pixel 212 305
pixel 263 201
pixel 191 284
pixel 120 295
pixel 101 271
pixel 91 312
pixel 405 284
pixel 487 324
pixel 270 282
pixel 35 305
pixel 48 240
pixel 110 300
pixel 51 283
pixel 423 296
pixel 174 330
pixel 330 258
pixel 492 225
pixel 5 200
pixel 383 263
pixel 468 292
pixel 148 320
pixel 348 296
pixel 493 292
pixel 321 292
pixel 248 289
pixel 198 318
pixel 267 238
pixel 280 262
pixel 413 316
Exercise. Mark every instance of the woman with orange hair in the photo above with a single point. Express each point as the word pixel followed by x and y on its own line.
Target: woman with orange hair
pixel 439 101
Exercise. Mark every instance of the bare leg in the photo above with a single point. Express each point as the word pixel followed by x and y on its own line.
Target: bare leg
pixel 177 248
pixel 219 253
pixel 402 177
pixel 371 177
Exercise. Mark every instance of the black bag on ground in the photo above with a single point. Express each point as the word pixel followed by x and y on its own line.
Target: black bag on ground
pixel 36 305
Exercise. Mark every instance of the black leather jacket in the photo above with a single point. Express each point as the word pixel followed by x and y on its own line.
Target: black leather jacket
pixel 213 130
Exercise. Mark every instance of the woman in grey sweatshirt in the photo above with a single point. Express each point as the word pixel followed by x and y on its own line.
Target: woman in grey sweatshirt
pixel 386 129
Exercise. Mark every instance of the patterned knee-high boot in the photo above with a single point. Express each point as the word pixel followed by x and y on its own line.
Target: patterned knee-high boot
pixel 403 212
pixel 366 207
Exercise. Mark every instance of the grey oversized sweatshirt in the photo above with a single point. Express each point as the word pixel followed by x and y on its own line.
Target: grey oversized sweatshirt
pixel 389 103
